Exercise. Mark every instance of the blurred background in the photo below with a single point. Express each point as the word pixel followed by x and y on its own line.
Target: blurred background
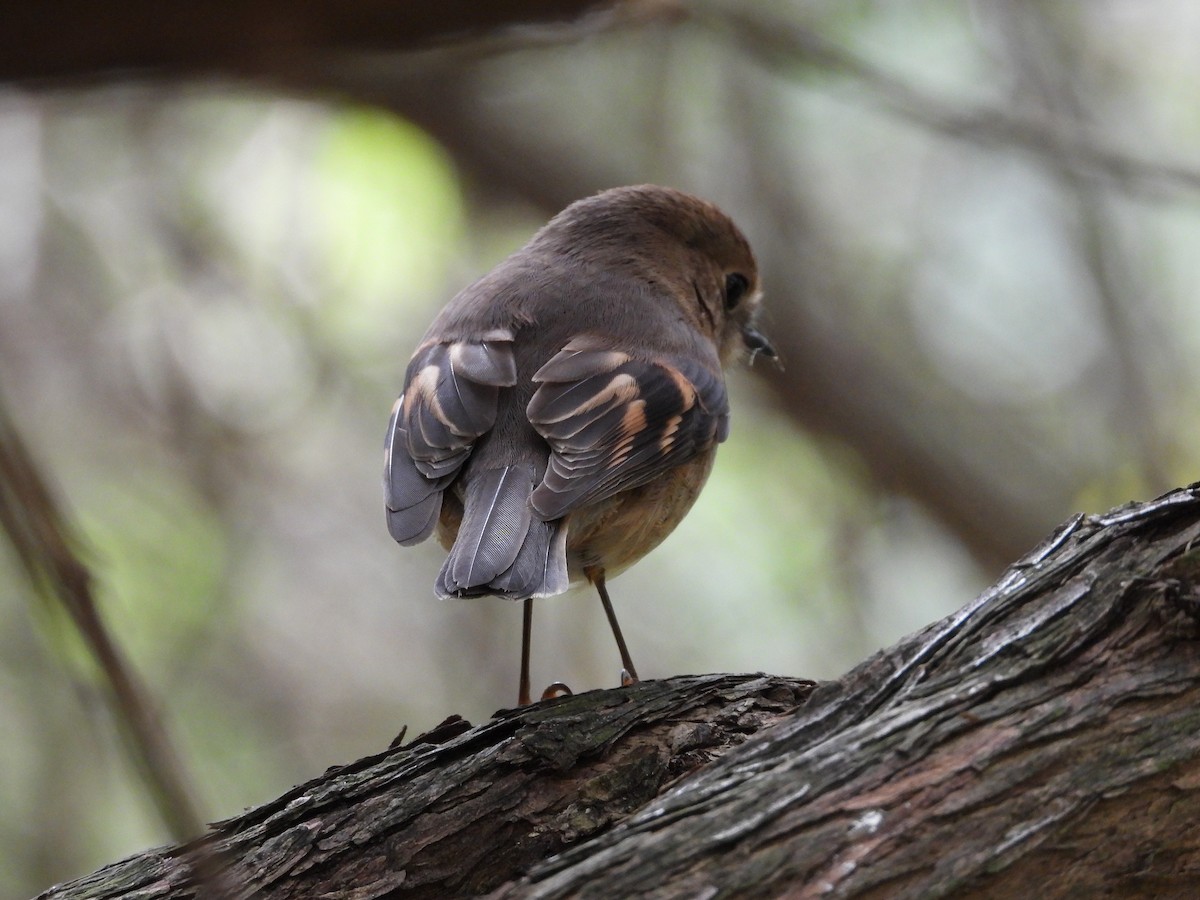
pixel 980 235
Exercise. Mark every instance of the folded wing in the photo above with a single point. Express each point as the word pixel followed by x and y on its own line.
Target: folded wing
pixel 450 399
pixel 615 422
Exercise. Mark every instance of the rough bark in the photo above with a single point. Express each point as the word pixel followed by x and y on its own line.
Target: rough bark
pixel 1044 739
pixel 461 810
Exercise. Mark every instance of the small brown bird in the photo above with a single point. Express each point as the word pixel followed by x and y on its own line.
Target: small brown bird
pixel 562 413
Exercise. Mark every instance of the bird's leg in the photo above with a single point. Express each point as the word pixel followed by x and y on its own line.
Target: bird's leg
pixel 595 574
pixel 526 634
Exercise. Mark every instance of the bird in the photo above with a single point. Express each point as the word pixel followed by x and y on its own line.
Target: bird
pixel 562 413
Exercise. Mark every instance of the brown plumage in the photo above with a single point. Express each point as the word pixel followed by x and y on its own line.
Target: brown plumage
pixel 562 413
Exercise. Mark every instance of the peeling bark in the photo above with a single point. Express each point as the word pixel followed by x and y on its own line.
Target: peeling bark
pixel 1044 739
pixel 461 810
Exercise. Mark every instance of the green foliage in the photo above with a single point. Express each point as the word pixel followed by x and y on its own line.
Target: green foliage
pixel 387 208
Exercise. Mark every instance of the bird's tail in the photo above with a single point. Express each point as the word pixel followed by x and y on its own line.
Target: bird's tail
pixel 502 548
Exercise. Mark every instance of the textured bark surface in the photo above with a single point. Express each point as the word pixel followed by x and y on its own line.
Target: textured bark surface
pixel 1045 739
pixel 462 810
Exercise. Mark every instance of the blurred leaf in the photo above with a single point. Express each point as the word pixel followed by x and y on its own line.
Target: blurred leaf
pixel 388 204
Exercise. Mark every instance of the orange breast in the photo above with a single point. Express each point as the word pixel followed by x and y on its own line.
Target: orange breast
pixel 617 532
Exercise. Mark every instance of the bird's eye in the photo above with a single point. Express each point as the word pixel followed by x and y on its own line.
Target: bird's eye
pixel 736 286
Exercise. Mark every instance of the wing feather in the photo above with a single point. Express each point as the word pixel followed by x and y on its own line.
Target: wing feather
pixel 615 422
pixel 450 399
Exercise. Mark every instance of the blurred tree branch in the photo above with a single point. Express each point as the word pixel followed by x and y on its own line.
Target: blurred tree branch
pixel 791 50
pixel 46 546
pixel 1043 740
pixel 69 40
pixel 58 43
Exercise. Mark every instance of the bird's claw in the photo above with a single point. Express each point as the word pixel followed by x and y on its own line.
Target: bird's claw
pixel 557 689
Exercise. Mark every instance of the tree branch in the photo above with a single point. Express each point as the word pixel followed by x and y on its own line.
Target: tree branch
pixel 983 753
pixel 1044 738
pixel 72 40
pixel 46 544
pixel 462 810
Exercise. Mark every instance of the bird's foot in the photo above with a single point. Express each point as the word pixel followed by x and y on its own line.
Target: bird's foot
pixel 557 689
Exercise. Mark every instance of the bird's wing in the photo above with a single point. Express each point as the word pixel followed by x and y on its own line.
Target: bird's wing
pixel 450 398
pixel 614 421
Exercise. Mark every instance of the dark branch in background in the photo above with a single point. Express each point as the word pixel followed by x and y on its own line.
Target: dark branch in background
pixel 74 40
pixel 45 544
pixel 61 42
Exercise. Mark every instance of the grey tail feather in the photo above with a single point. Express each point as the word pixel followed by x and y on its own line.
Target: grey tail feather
pixel 540 569
pixel 501 548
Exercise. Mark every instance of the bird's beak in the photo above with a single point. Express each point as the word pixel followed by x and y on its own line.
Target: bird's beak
pixel 756 343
